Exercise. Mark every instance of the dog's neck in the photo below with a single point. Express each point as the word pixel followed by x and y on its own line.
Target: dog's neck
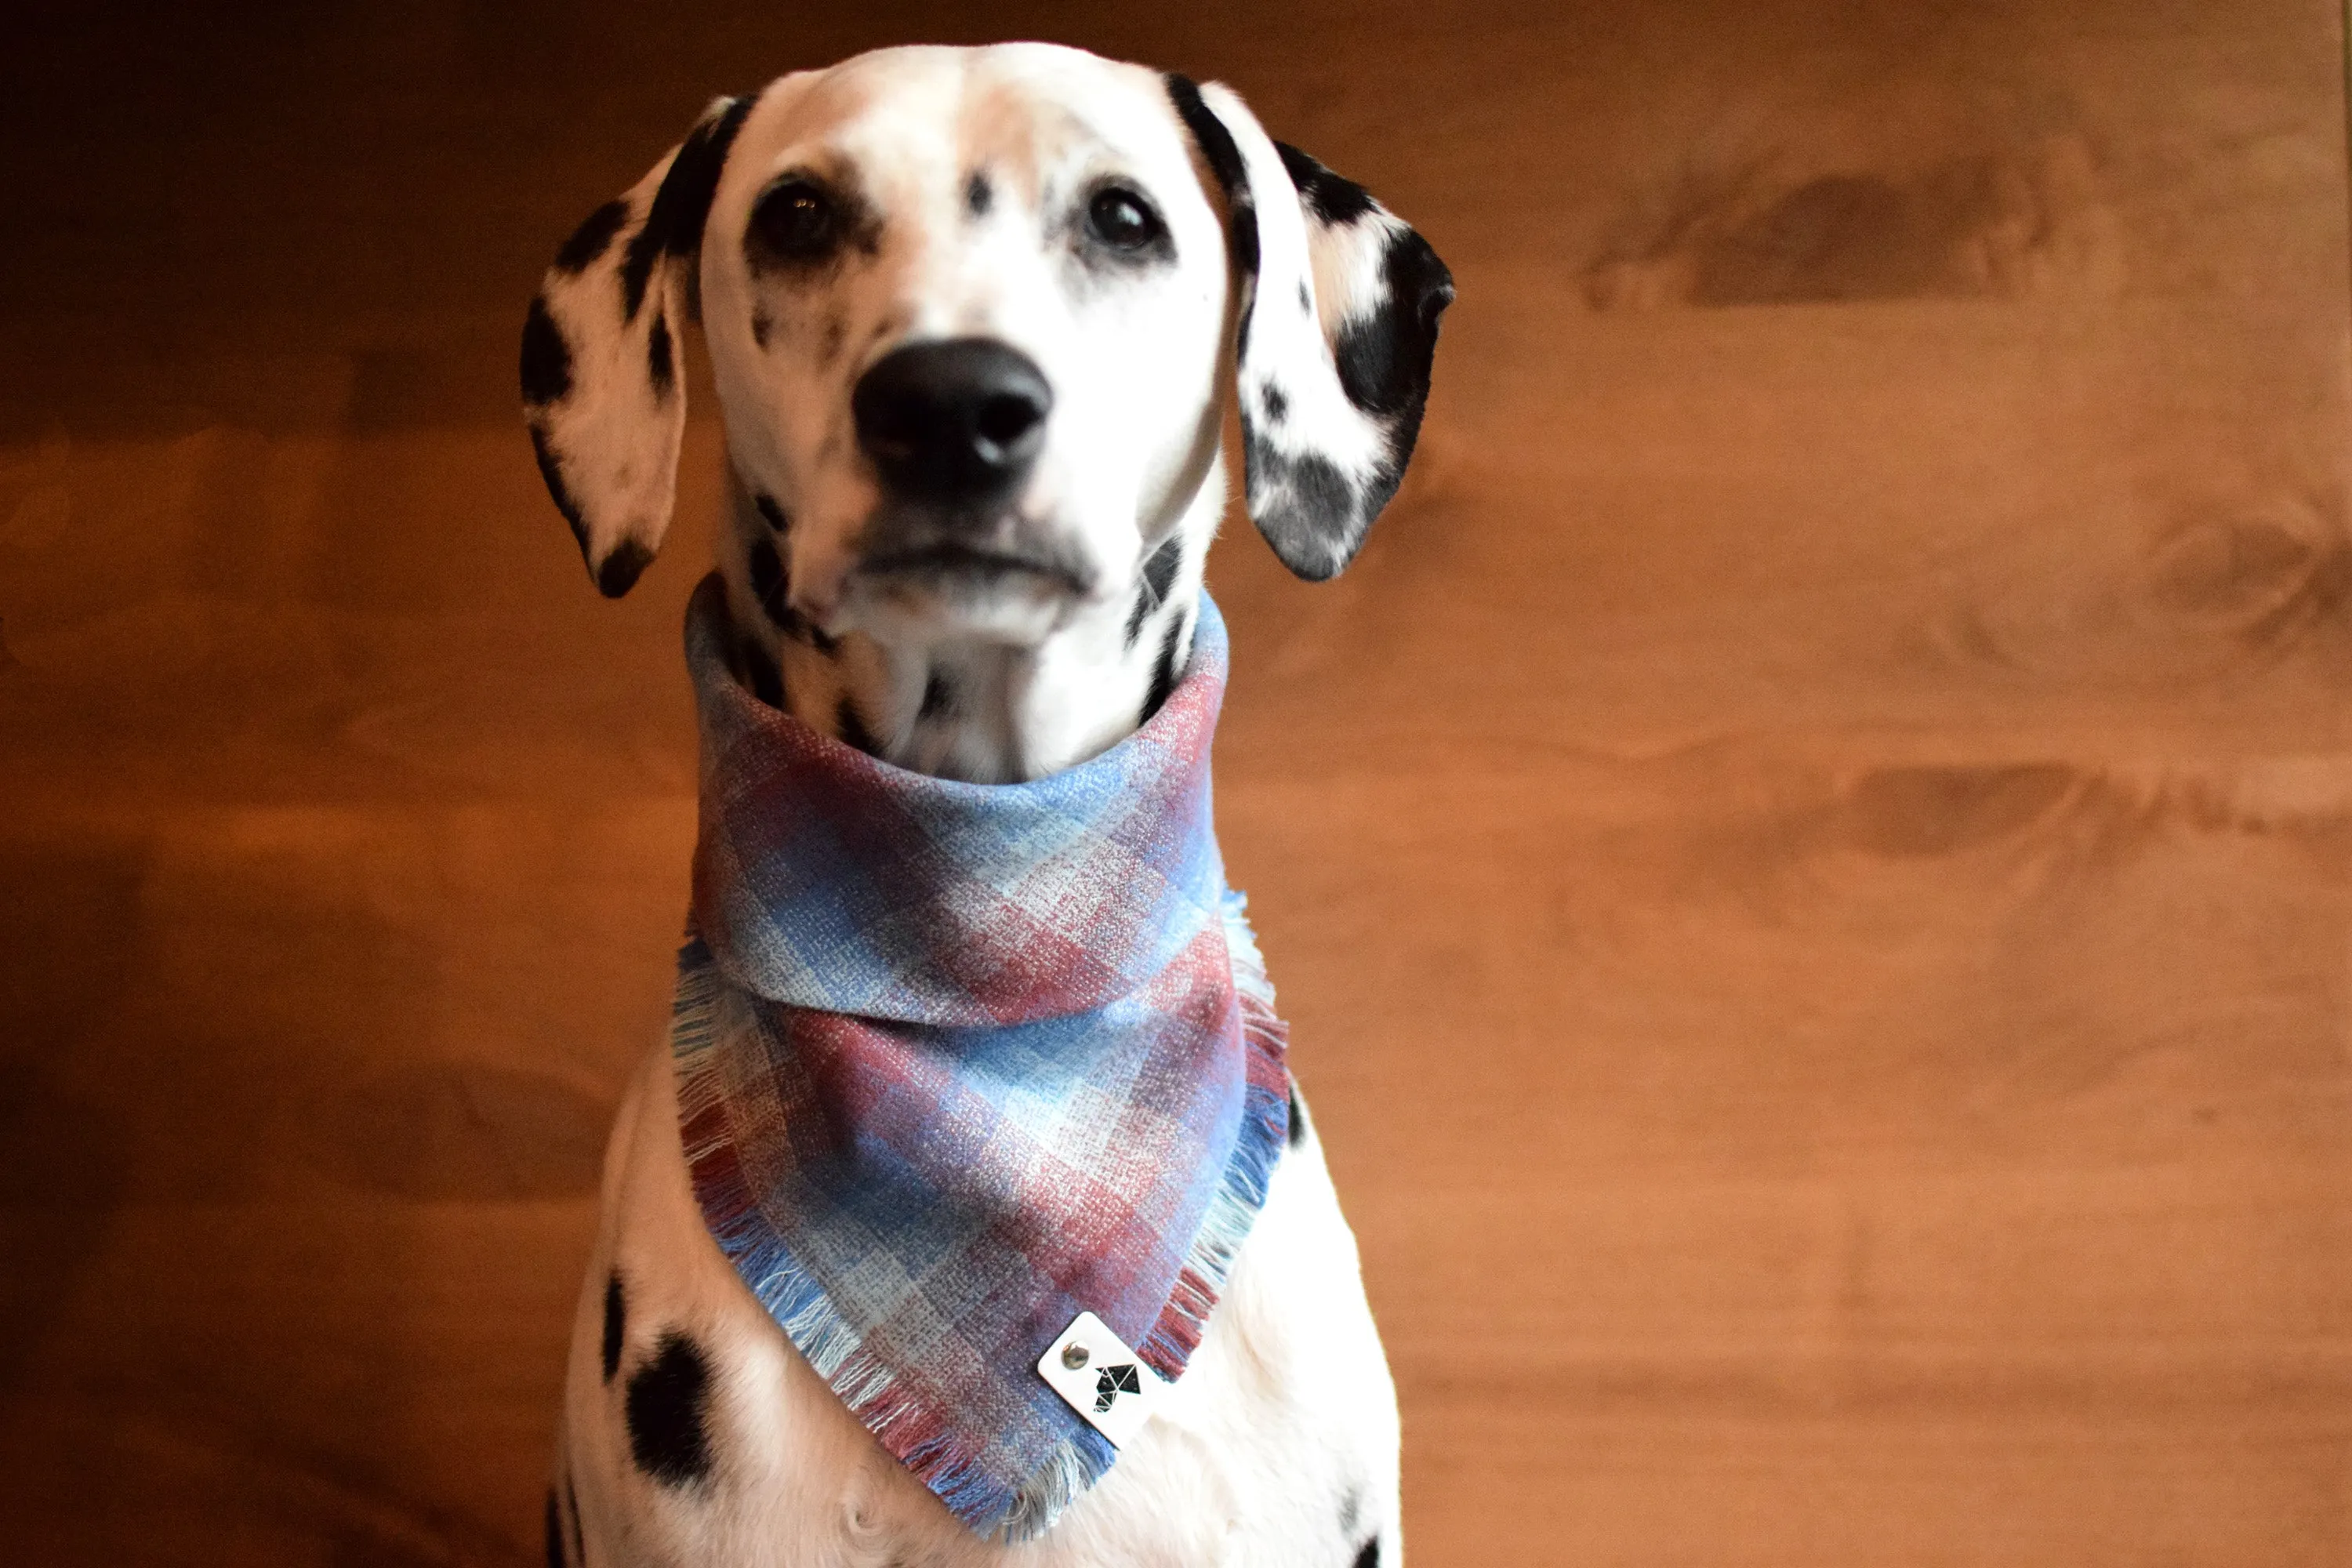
pixel 984 712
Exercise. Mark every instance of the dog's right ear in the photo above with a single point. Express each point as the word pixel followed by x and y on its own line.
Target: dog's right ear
pixel 601 385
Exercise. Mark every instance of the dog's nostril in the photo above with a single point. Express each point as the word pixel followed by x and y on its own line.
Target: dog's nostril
pixel 1004 420
pixel 956 419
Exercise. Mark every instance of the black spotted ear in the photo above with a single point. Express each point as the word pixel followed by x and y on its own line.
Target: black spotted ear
pixel 601 383
pixel 1339 327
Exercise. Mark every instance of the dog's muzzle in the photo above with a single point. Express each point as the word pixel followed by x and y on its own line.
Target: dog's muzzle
pixel 952 429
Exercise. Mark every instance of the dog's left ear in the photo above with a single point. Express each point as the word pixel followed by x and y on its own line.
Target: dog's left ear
pixel 601 387
pixel 1339 300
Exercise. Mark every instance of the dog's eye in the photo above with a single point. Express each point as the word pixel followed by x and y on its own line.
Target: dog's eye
pixel 793 220
pixel 1122 220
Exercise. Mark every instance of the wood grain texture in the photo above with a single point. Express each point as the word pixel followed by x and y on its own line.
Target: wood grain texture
pixel 1811 860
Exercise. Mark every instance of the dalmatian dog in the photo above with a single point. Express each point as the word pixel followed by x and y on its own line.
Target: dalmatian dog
pixel 970 314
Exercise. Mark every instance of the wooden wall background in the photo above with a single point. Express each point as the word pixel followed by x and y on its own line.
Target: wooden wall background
pixel 1810 861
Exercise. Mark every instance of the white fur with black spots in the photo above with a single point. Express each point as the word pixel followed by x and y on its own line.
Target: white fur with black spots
pixel 971 315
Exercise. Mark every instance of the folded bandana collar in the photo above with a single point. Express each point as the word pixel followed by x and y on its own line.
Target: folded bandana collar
pixel 958 1062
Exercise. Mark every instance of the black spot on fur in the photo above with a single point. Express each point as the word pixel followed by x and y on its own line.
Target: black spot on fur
pixel 761 324
pixel 850 725
pixel 550 469
pixel 1370 1557
pixel 682 205
pixel 979 195
pixel 767 574
pixel 1164 673
pixel 571 1506
pixel 1305 299
pixel 836 333
pixel 666 1414
pixel 1332 199
pixel 1304 505
pixel 771 585
pixel 638 265
pixel 554 1532
pixel 1384 358
pixel 1158 576
pixel 593 237
pixel 1159 571
pixel 1298 1136
pixel 1224 161
pixel 1276 403
pixel 616 1323
pixel 621 570
pixel 546 358
pixel 767 680
pixel 661 358
pixel 1320 490
pixel 1244 243
pixel 938 696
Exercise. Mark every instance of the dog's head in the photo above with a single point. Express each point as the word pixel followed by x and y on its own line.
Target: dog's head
pixel 967 313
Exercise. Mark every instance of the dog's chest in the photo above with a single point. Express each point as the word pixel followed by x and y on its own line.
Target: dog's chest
pixel 695 1431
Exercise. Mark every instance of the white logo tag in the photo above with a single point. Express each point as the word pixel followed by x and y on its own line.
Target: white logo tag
pixel 1098 1376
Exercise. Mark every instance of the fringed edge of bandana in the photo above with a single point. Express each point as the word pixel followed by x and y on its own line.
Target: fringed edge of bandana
pixel 825 1339
pixel 1265 1134
pixel 829 1345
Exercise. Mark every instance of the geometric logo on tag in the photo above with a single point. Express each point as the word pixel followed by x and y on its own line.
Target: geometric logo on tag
pixel 1100 1378
pixel 1114 1380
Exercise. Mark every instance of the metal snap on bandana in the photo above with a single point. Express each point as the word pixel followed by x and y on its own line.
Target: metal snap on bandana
pixel 1098 1376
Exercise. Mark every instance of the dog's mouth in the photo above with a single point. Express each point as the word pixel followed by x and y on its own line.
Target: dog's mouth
pixel 971 554
pixel 952 562
pixel 924 574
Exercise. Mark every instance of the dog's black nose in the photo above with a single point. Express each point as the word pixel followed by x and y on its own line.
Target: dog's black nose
pixel 956 419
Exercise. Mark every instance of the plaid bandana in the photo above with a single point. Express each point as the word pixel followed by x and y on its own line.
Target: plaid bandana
pixel 958 1062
